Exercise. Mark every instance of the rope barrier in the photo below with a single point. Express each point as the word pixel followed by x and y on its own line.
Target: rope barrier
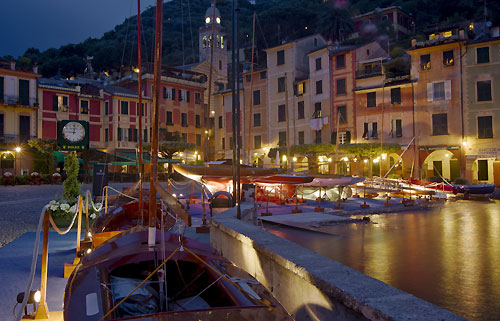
pixel 57 228
pixel 131 197
pixel 33 265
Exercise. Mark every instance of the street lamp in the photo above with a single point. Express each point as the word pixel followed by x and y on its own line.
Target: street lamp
pixel 18 149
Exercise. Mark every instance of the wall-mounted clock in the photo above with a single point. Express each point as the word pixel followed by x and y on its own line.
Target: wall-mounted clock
pixel 73 135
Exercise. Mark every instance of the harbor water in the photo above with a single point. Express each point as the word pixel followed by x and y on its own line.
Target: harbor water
pixel 449 255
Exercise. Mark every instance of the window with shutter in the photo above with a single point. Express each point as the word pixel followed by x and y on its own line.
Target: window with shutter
pixel 1 88
pixel 282 138
pixel 281 113
pixel 169 118
pixel 184 122
pixel 198 139
pixel 124 108
pixel 55 103
pixel 223 143
pixel 318 63
pixel 319 87
pixel 300 110
pixel 119 132
pixel 301 138
pixel 365 131
pixel 281 84
pixel 483 55
pixel 485 127
pixel 256 120
pixel 396 96
pixel 256 97
pixel 220 122
pixel 263 75
pixel 198 121
pixel 173 93
pixel 483 90
pixel 257 142
pixel 188 96
pixel 341 89
pixel 438 91
pixel 280 57
pixel 135 135
pixel 374 133
pixel 317 138
pixel 340 61
pixel 371 99
pixel 439 124
pixel 396 129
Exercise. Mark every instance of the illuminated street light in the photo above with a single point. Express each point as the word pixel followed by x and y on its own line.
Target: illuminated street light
pixel 284 158
pixel 365 161
pixel 18 149
pixel 376 160
pixel 384 156
pixel 136 70
pixel 355 160
pixel 464 143
pixel 345 159
pixel 294 159
pixel 329 160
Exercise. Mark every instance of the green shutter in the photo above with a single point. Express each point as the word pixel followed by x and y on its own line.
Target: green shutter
pixel 347 137
pixel 119 134
pixel 334 138
pixel 54 103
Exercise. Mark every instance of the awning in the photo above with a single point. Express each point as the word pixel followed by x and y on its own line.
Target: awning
pixel 60 157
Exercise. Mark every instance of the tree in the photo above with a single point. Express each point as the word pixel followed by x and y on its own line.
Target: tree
pixel 335 22
pixel 45 148
pixel 169 148
pixel 71 186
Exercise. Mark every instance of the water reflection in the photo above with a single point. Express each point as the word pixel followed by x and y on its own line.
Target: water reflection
pixel 449 256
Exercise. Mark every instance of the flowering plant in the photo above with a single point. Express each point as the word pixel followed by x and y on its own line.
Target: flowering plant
pixel 68 208
pixel 7 174
pixel 35 174
pixel 56 177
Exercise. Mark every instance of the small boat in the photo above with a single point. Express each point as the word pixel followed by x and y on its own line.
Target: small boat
pixel 435 186
pixel 476 189
pixel 221 168
pixel 177 279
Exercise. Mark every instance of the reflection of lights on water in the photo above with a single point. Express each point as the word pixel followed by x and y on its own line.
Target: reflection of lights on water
pixel 181 195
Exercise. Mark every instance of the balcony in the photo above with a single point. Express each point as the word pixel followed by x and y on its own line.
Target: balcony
pixel 19 101
pixel 14 139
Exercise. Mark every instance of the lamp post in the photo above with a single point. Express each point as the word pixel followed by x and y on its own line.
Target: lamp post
pixel 18 150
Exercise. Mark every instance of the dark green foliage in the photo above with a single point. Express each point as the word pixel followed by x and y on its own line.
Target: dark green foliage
pixel 44 160
pixel 278 20
pixel 71 186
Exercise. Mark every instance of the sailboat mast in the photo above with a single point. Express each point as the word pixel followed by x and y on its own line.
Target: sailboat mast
pixel 210 73
pixel 156 106
pixel 139 109
pixel 250 116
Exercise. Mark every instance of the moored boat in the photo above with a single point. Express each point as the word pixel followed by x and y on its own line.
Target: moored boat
pixel 179 278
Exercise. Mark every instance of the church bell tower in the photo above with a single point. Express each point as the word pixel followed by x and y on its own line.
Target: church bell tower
pixel 219 41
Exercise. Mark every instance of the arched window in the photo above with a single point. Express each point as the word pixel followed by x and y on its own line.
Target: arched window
pixel 7 160
pixel 218 41
pixel 204 44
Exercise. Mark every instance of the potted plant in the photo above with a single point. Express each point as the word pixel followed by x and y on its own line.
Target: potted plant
pixel 8 178
pixel 56 178
pixel 35 178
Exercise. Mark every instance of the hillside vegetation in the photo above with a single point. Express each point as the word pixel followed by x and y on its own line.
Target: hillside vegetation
pixel 277 21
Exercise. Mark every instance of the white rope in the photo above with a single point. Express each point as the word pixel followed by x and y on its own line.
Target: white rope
pixel 131 197
pixel 69 227
pixel 34 260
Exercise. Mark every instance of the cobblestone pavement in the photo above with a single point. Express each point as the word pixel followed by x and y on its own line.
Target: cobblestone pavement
pixel 20 207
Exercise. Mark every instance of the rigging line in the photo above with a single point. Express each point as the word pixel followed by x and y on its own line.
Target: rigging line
pixel 125 41
pixel 182 32
pixel 260 28
pixel 191 31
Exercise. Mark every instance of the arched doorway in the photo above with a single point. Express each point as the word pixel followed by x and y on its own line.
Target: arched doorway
pixel 441 164
pixel 7 161
pixel 395 170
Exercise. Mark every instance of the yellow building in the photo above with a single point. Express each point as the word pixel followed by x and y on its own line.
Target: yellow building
pixel 18 106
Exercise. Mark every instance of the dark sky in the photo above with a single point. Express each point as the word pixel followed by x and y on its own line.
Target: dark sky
pixel 51 23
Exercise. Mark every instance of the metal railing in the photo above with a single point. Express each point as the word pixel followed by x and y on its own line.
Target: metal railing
pixel 19 101
pixel 15 139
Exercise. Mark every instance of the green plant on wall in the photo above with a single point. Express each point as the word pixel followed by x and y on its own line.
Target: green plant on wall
pixel 44 160
pixel 71 186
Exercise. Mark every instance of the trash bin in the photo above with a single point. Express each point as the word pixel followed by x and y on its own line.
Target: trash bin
pixel 99 179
